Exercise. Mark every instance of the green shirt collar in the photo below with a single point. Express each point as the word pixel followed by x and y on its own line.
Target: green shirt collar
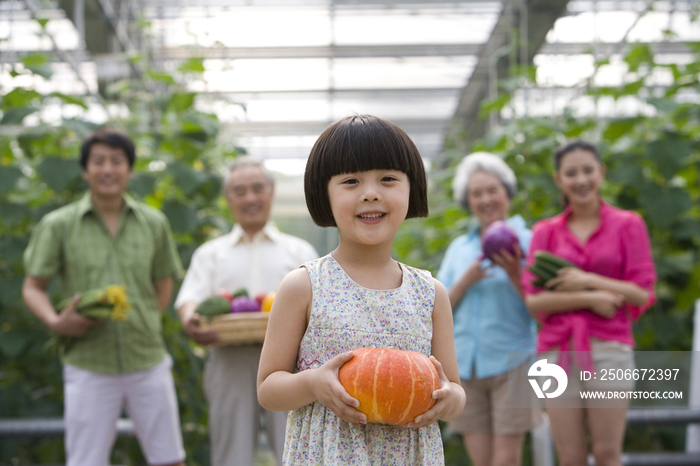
pixel 85 204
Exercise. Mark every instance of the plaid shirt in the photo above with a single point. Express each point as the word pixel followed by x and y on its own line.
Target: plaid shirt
pixel 74 243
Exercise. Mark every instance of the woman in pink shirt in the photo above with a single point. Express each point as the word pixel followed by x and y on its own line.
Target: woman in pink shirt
pixel 589 309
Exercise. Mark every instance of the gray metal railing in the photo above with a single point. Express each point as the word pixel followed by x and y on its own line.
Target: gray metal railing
pixel 656 459
pixel 54 427
pixel 544 453
pixel 663 416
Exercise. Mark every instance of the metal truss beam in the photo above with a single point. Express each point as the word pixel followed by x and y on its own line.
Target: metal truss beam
pixel 373 94
pixel 663 48
pixel 395 51
pixel 314 3
pixel 494 57
pixel 314 128
pixel 105 26
pixel 427 151
pixel 330 51
pixel 118 26
pixel 557 48
pixel 63 56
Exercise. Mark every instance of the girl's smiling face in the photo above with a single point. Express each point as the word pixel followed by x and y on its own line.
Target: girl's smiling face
pixel 369 206
pixel 579 177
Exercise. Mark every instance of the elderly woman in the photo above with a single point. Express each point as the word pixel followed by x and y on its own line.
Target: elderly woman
pixel 494 333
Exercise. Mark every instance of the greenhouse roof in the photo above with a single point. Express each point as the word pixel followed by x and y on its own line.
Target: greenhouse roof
pixel 278 72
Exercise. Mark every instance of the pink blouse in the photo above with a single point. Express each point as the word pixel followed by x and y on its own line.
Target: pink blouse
pixel 620 249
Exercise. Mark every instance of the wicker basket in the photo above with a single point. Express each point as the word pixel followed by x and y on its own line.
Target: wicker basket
pixel 238 329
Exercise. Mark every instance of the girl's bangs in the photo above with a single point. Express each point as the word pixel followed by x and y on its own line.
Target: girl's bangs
pixel 369 149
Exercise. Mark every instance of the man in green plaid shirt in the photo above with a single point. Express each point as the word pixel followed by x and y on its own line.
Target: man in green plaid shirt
pixel 107 238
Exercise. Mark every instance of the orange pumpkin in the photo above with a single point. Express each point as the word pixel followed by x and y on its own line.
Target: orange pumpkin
pixel 393 386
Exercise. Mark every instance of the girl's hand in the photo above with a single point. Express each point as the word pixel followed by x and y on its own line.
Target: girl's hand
pixel 571 279
pixel 447 397
pixel 330 392
pixel 605 303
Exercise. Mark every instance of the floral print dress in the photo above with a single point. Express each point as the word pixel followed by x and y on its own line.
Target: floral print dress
pixel 346 316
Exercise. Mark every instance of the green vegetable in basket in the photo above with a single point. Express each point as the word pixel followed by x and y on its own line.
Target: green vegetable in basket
pixel 214 306
pixel 240 292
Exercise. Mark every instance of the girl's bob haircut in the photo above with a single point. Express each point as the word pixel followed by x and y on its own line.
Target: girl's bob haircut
pixel 361 143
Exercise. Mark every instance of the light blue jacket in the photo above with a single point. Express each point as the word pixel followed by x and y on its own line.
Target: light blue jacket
pixel 491 320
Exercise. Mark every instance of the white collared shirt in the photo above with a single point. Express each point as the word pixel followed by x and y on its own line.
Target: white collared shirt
pixel 234 261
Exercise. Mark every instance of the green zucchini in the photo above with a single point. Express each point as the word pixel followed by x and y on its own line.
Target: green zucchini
pixel 552 259
pixel 547 266
pixel 541 272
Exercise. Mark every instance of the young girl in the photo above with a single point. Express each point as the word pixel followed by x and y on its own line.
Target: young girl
pixel 589 309
pixel 364 176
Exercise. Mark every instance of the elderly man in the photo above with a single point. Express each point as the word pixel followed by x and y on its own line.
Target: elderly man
pixel 107 238
pixel 254 256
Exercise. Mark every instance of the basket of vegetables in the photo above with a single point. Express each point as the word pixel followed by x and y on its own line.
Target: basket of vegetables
pixel 237 318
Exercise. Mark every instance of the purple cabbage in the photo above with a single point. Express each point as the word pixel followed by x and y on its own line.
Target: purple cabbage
pixel 244 304
pixel 498 236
